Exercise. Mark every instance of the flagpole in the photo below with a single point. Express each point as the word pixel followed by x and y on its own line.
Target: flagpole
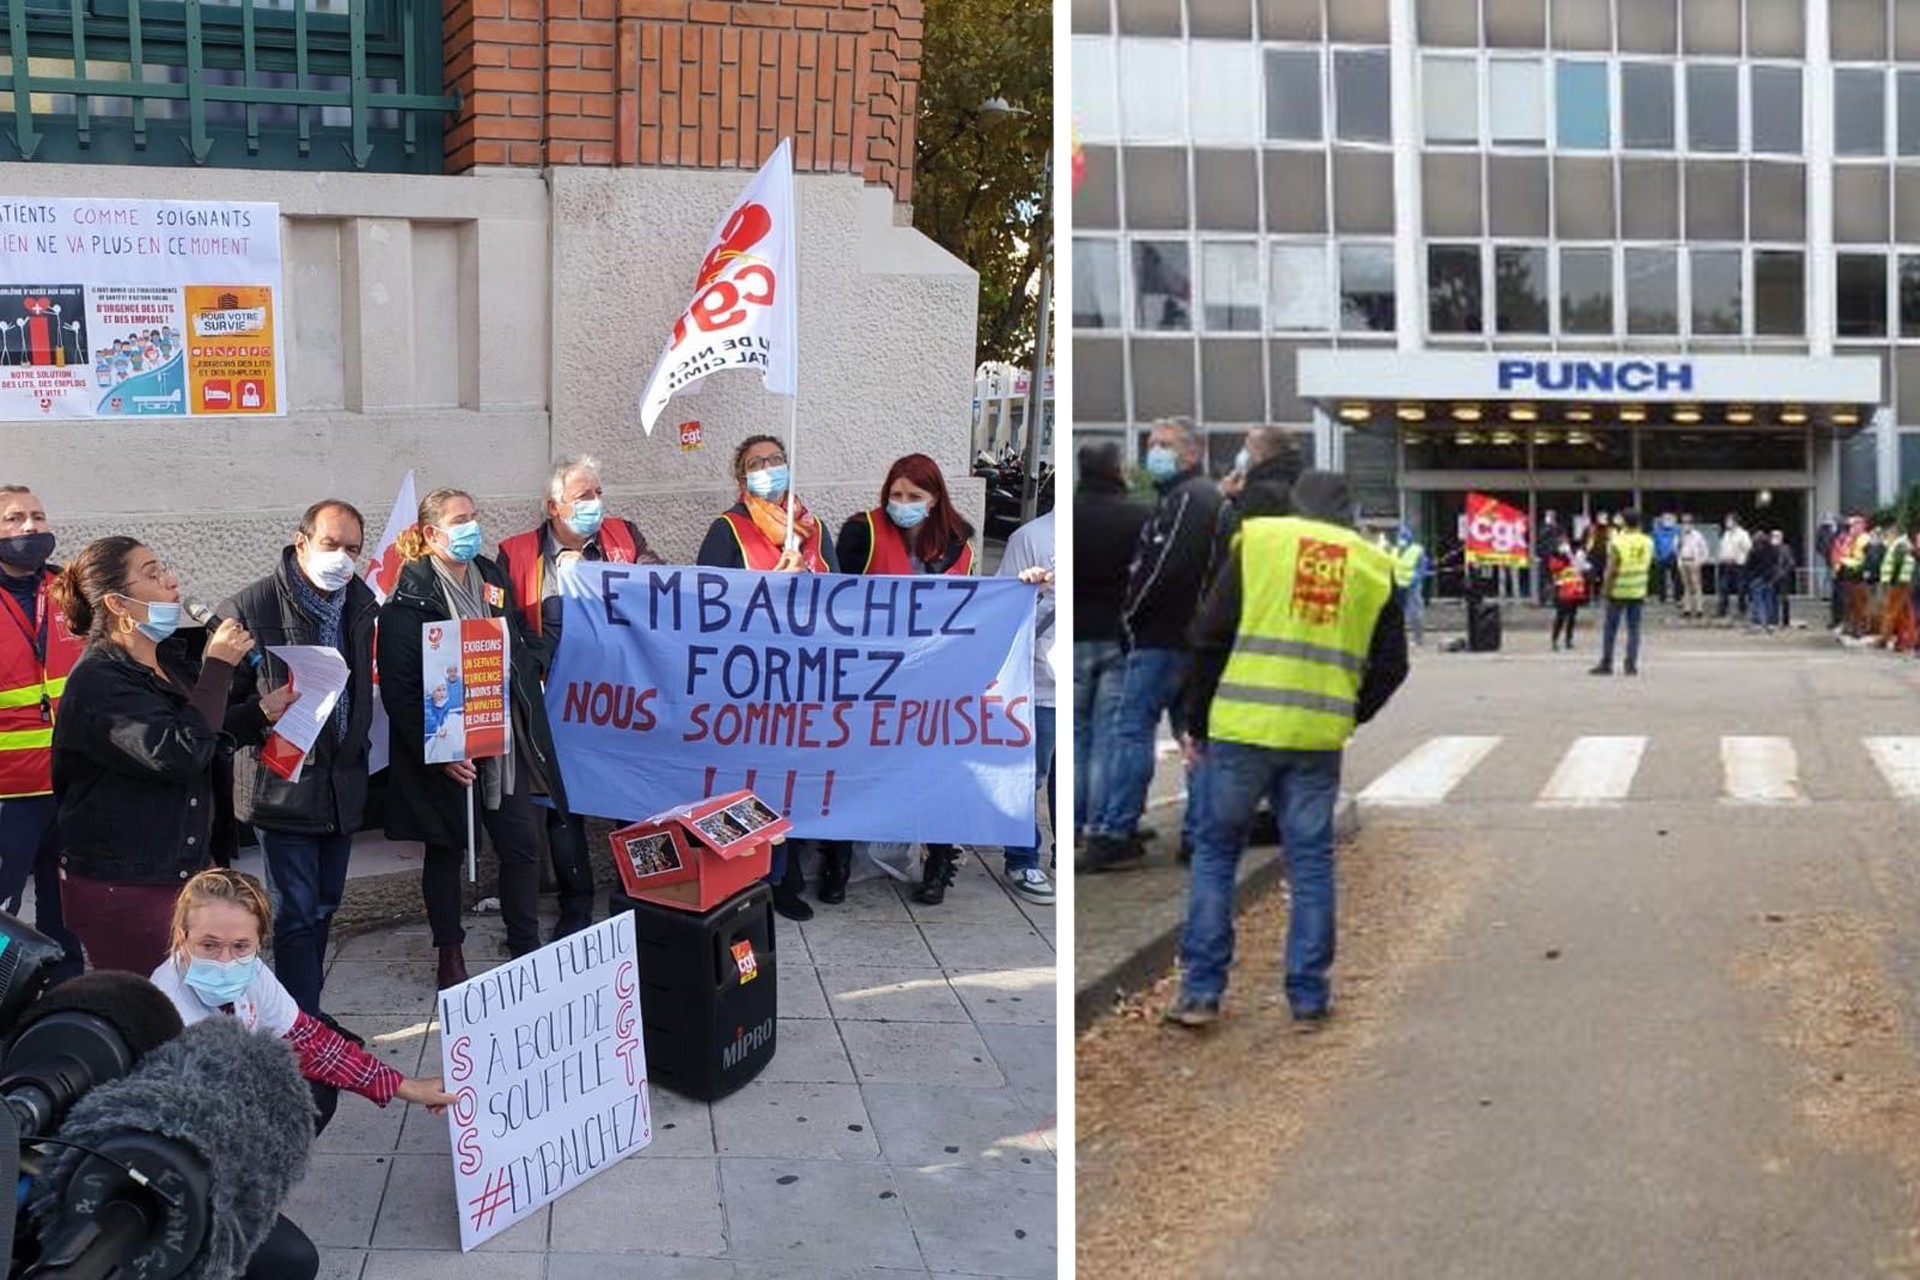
pixel 793 333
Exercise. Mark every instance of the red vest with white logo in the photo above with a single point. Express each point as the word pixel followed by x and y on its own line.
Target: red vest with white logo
pixel 529 567
pixel 30 689
pixel 887 550
pixel 757 551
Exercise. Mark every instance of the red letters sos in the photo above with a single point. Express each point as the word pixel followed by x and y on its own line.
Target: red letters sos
pixel 725 289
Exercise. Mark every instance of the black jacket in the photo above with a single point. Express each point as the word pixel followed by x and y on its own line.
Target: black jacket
pixel 1170 564
pixel 1106 529
pixel 423 803
pixel 138 765
pixel 1268 492
pixel 332 792
pixel 1219 624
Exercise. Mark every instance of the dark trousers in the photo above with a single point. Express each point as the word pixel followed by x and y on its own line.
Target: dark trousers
pixel 30 846
pixel 306 874
pixel 1731 581
pixel 122 926
pixel 1565 613
pixel 572 870
pixel 287 1253
pixel 514 829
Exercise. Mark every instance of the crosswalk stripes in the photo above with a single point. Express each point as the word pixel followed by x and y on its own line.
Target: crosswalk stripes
pixel 1760 771
pixel 1595 772
pixel 1898 760
pixel 1599 771
pixel 1429 773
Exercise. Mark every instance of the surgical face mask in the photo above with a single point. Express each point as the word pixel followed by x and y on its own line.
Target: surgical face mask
pixel 163 619
pixel 463 541
pixel 1161 464
pixel 26 550
pixel 907 515
pixel 1241 462
pixel 586 517
pixel 221 982
pixel 329 570
pixel 767 482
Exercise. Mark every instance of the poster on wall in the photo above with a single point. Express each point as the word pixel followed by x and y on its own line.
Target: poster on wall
pixel 115 308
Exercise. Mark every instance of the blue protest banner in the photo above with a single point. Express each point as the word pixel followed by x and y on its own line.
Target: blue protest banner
pixel 863 708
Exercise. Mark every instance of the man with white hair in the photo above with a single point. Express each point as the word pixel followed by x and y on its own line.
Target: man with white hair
pixel 576 528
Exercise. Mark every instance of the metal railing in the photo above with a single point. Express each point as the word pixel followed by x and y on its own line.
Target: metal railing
pixel 271 84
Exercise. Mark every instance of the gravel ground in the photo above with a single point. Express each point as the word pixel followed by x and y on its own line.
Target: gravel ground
pixel 1179 1134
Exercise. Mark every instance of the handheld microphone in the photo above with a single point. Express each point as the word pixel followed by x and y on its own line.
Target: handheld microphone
pixel 83 1034
pixel 200 615
pixel 216 1126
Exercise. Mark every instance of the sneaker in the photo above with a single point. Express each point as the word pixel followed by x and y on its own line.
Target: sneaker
pixel 1308 1021
pixel 1192 1011
pixel 1032 884
pixel 1109 853
pixel 1602 670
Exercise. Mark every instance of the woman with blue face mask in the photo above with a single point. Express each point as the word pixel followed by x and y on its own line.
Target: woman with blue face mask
pixel 143 738
pixel 446 580
pixel 753 532
pixel 213 969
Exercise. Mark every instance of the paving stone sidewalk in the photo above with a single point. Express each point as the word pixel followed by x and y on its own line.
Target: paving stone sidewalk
pixel 906 1125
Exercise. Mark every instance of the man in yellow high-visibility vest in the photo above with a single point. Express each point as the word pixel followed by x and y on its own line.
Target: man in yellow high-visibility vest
pixel 1299 640
pixel 1629 568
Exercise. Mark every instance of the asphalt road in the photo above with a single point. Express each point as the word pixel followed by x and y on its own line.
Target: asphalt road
pixel 1668 1028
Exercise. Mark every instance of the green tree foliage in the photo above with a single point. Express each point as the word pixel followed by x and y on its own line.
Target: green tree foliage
pixel 980 184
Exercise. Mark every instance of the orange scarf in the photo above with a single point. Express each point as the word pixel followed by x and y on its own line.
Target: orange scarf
pixel 770 518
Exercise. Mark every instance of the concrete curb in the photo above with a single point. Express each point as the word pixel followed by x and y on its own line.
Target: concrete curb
pixel 1094 994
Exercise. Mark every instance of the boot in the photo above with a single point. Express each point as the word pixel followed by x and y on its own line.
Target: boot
pixel 935 875
pixel 453 967
pixel 786 891
pixel 836 863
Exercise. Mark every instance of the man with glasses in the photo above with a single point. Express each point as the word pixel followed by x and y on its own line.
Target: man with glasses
pixel 314 596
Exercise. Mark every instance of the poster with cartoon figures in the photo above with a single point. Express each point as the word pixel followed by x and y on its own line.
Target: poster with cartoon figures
pixel 115 308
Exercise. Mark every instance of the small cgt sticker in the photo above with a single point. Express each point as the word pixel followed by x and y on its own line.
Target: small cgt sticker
pixel 743 958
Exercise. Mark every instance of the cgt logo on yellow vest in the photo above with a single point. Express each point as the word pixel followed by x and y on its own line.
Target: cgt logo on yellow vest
pixel 1319 582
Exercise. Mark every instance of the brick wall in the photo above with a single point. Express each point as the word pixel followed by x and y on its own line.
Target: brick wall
pixel 686 83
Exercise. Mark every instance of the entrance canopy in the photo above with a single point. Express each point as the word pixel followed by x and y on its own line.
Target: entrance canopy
pixel 1380 387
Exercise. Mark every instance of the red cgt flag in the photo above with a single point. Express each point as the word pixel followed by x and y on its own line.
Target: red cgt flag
pixel 1496 533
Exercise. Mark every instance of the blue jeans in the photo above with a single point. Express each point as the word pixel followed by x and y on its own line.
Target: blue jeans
pixel 1413 605
pixel 1020 859
pixel 306 874
pixel 1150 687
pixel 30 846
pixel 1760 603
pixel 1617 609
pixel 1304 787
pixel 1099 668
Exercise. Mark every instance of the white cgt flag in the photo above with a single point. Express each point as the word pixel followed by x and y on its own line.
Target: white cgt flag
pixel 742 315
pixel 383 571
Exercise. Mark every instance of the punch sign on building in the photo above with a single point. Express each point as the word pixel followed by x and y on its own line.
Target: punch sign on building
pixel 1580 256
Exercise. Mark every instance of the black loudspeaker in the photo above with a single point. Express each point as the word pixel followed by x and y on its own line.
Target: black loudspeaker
pixel 709 991
pixel 1483 626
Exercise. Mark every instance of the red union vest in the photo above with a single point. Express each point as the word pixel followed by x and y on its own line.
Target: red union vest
pixel 30 689
pixel 756 552
pixel 887 550
pixel 529 566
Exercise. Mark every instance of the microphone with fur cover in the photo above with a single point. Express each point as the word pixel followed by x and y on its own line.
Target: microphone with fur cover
pixel 217 1124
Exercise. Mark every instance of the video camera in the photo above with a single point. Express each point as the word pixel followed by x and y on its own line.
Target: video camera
pixel 136 1148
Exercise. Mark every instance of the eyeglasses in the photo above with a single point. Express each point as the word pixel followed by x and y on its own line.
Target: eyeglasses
pixel 155 572
pixel 211 949
pixel 771 460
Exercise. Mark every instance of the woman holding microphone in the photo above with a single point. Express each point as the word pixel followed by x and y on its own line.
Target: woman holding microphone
pixel 445 580
pixel 141 730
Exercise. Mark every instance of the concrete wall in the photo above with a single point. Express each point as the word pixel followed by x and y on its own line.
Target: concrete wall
pixel 475 328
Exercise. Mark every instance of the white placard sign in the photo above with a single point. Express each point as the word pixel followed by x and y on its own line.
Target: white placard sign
pixel 545 1059
pixel 117 308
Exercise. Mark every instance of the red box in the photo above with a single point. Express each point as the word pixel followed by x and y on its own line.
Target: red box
pixel 697 856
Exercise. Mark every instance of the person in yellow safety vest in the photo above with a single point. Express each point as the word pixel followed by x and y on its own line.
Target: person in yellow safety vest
pixel 1896 580
pixel 36 653
pixel 1629 565
pixel 1299 640
pixel 1852 572
pixel 1410 580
